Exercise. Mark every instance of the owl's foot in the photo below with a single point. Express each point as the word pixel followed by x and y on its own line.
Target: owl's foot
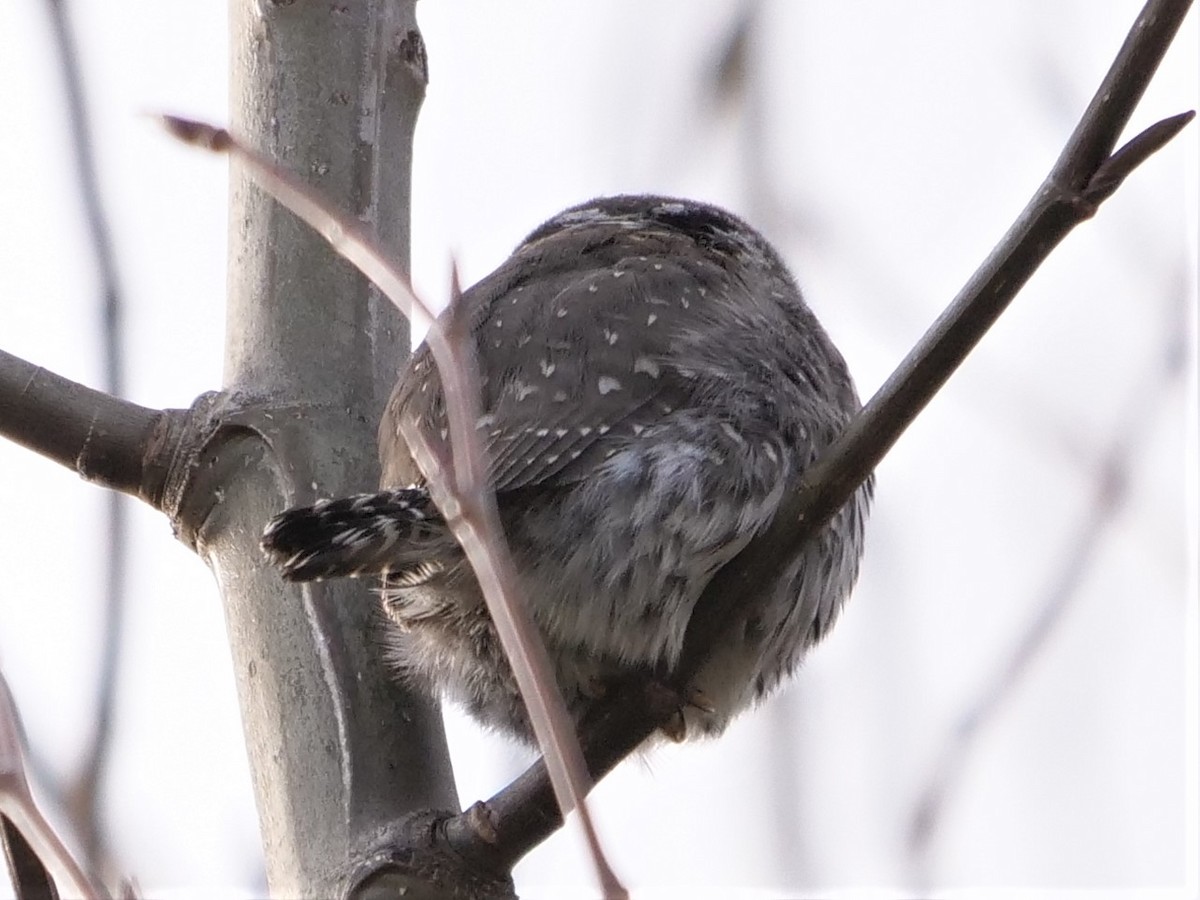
pixel 674 728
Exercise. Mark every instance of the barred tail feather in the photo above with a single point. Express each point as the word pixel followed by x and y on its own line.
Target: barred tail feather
pixel 361 535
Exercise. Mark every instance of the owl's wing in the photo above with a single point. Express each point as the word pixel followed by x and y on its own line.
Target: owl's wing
pixel 576 361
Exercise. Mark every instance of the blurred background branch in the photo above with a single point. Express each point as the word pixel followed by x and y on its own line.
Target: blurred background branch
pixel 81 795
pixel 1111 476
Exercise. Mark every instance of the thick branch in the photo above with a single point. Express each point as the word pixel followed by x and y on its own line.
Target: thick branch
pixel 1086 173
pixel 108 441
pixel 338 751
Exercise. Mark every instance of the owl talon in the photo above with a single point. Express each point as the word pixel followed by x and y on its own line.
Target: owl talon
pixel 671 705
pixel 674 728
pixel 697 699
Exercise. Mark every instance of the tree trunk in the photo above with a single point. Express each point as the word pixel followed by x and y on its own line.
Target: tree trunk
pixel 337 750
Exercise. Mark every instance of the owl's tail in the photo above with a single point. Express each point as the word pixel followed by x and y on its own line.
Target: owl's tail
pixel 399 531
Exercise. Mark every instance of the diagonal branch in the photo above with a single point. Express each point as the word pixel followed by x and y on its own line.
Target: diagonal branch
pixel 1085 174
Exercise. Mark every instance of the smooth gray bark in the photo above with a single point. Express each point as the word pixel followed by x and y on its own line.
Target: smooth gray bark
pixel 337 750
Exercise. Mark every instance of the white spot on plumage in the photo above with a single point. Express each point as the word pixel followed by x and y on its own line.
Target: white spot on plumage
pixel 606 384
pixel 647 365
pixel 592 288
pixel 562 313
pixel 585 431
pixel 523 390
pixel 652 318
pixel 560 432
pixel 542 432
pixel 547 368
pixel 603 429
pixel 771 454
pixel 560 396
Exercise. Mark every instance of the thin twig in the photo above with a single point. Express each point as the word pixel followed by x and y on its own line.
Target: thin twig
pixel 83 794
pixel 461 490
pixel 51 862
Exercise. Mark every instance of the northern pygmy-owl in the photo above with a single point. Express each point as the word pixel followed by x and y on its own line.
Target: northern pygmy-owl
pixel 652 383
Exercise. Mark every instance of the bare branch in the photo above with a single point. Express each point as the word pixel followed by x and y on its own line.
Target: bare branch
pixel 476 524
pixel 107 441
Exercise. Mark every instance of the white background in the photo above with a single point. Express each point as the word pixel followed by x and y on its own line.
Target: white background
pixel 885 147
